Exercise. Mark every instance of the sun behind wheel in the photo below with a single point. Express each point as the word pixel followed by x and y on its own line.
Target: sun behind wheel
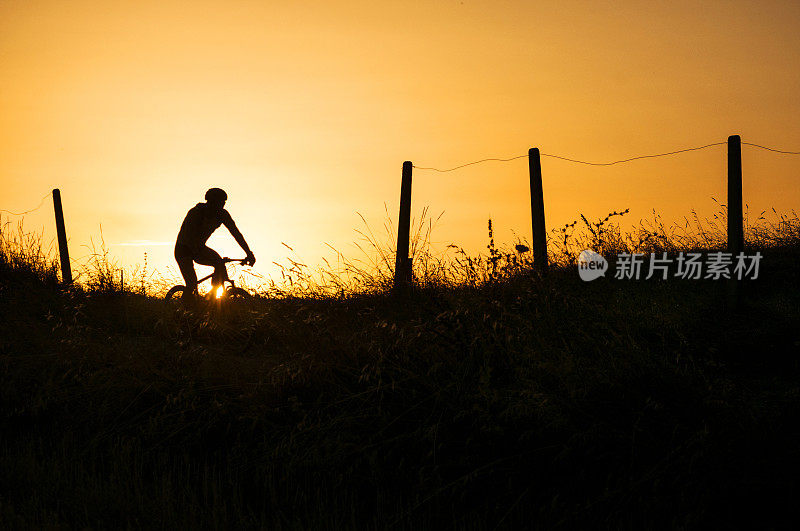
pixel 231 302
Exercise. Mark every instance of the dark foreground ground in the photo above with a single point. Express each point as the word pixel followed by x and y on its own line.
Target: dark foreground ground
pixel 524 404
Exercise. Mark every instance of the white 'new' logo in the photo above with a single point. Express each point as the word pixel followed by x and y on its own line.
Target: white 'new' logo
pixel 591 265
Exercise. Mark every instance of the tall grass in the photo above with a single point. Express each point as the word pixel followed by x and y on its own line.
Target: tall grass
pixel 371 270
pixel 487 398
pixel 452 267
pixel 652 235
pixel 25 254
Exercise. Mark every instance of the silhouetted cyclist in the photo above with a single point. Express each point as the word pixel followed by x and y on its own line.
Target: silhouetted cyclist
pixel 200 222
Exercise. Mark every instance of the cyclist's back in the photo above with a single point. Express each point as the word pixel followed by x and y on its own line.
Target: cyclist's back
pixel 200 223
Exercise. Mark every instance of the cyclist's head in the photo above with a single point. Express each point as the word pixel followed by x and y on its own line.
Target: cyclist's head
pixel 216 197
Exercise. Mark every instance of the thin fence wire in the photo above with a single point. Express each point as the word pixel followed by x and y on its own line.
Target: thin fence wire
pixel 41 203
pixel 470 164
pixel 633 158
pixel 772 149
pixel 559 157
pixel 577 161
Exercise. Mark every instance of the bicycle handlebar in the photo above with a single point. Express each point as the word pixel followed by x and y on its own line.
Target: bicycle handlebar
pixel 240 260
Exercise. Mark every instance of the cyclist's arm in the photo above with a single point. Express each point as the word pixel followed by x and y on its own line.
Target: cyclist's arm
pixel 227 220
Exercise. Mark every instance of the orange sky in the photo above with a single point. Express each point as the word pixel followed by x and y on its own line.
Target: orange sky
pixel 304 112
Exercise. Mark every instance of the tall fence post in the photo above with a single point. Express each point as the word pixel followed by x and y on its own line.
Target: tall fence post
pixel 735 217
pixel 66 270
pixel 735 221
pixel 402 265
pixel 537 212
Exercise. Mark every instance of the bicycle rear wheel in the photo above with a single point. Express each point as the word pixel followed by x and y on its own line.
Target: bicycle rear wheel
pixel 174 293
pixel 175 299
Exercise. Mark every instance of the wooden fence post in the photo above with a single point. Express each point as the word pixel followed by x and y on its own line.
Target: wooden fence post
pixel 66 270
pixel 735 221
pixel 735 217
pixel 402 264
pixel 537 212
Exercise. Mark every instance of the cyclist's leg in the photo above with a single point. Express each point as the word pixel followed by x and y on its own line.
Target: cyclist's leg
pixel 210 257
pixel 183 255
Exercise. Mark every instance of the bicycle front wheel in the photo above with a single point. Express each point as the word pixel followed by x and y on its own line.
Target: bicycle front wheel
pixel 238 294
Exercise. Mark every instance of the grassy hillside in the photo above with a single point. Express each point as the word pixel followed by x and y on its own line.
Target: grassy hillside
pixel 486 398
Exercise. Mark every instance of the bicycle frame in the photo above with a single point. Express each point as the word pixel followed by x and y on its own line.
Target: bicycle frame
pixel 225 261
pixel 218 290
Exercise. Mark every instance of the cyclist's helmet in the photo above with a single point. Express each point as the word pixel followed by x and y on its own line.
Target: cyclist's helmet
pixel 216 194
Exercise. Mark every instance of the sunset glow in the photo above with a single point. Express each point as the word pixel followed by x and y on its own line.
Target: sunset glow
pixel 304 113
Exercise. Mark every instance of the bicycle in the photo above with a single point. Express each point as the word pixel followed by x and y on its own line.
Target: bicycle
pixel 219 292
